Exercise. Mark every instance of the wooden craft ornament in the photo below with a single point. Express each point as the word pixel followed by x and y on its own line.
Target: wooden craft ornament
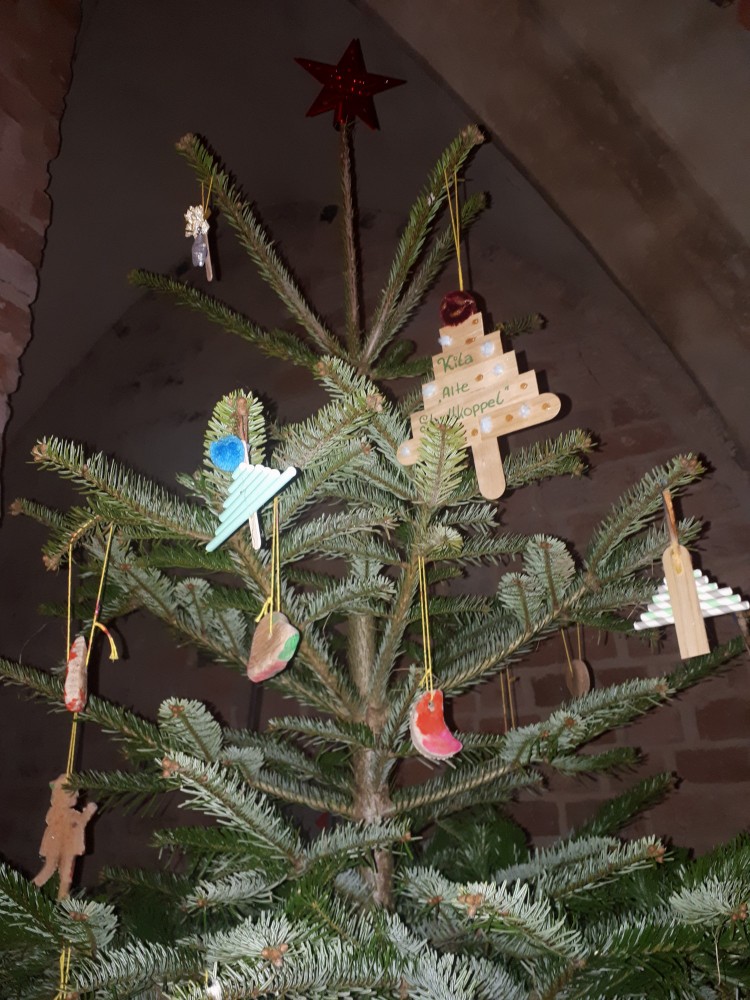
pixel 713 600
pixel 479 383
pixel 679 580
pixel 63 840
pixel 272 647
pixel 252 487
pixel 578 678
pixel 76 688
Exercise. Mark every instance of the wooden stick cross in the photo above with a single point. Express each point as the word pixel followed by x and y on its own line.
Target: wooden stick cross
pixel 478 382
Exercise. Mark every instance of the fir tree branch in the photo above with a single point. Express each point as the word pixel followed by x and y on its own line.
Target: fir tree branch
pixel 141 738
pixel 422 279
pixel 213 790
pixel 119 495
pixel 421 217
pixel 638 506
pixel 255 240
pixel 273 343
pixel 461 787
pixel 616 813
pixel 288 790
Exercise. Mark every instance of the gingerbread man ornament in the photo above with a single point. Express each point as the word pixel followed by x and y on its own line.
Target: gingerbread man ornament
pixel 63 839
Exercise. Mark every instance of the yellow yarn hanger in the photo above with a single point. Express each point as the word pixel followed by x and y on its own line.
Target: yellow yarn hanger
pixel 65 951
pixel 427 679
pixel 274 590
pixel 455 217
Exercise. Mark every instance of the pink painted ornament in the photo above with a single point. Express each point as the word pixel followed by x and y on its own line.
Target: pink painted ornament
pixel 76 689
pixel 429 733
pixel 272 648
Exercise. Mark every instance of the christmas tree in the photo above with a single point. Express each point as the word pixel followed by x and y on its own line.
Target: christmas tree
pixel 412 889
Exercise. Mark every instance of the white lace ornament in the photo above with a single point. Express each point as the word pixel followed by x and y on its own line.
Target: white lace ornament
pixel 195 221
pixel 214 990
pixel 196 225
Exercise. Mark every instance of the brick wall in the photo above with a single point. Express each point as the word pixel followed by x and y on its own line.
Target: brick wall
pixel 36 47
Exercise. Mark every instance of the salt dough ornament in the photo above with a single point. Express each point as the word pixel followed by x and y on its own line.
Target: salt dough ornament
pixel 578 678
pixel 272 648
pixel 63 840
pixel 196 225
pixel 429 733
pixel 252 486
pixel 476 381
pixel 76 687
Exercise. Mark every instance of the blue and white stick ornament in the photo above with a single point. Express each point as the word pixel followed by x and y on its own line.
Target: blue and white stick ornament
pixel 252 487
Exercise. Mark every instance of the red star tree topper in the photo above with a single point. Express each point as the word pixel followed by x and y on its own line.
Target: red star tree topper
pixel 348 88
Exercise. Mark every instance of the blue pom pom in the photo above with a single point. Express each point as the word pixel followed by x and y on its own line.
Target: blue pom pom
pixel 227 453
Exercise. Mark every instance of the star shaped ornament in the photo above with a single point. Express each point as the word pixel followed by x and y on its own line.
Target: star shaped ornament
pixel 348 88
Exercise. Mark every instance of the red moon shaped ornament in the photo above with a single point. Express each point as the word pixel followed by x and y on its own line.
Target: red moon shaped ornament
pixel 272 648
pixel 429 733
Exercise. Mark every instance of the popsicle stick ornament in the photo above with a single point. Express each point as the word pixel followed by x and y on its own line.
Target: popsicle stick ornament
pixel 429 733
pixel 686 596
pixel 713 601
pixel 252 486
pixel 479 383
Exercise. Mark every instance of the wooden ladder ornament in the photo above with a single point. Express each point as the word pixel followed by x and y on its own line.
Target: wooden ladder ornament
pixel 478 382
pixel 683 594
pixel 687 596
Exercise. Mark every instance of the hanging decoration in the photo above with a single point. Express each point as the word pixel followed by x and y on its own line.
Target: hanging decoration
pixel 196 225
pixel 63 840
pixel 713 601
pixel 429 733
pixel 348 89
pixel 477 382
pixel 76 687
pixel 272 646
pixel 64 836
pixel 578 677
pixel 252 487
pixel 686 596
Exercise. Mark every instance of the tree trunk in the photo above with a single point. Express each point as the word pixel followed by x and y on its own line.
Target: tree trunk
pixel 372 801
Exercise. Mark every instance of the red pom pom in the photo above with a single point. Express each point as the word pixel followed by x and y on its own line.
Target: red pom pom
pixel 457 307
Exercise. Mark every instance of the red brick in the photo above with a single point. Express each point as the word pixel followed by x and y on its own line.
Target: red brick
pixel 658 727
pixel 18 272
pixel 40 207
pixel 15 321
pixel 580 811
pixel 712 765
pixel 539 816
pixel 17 235
pixel 551 690
pixel 724 719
